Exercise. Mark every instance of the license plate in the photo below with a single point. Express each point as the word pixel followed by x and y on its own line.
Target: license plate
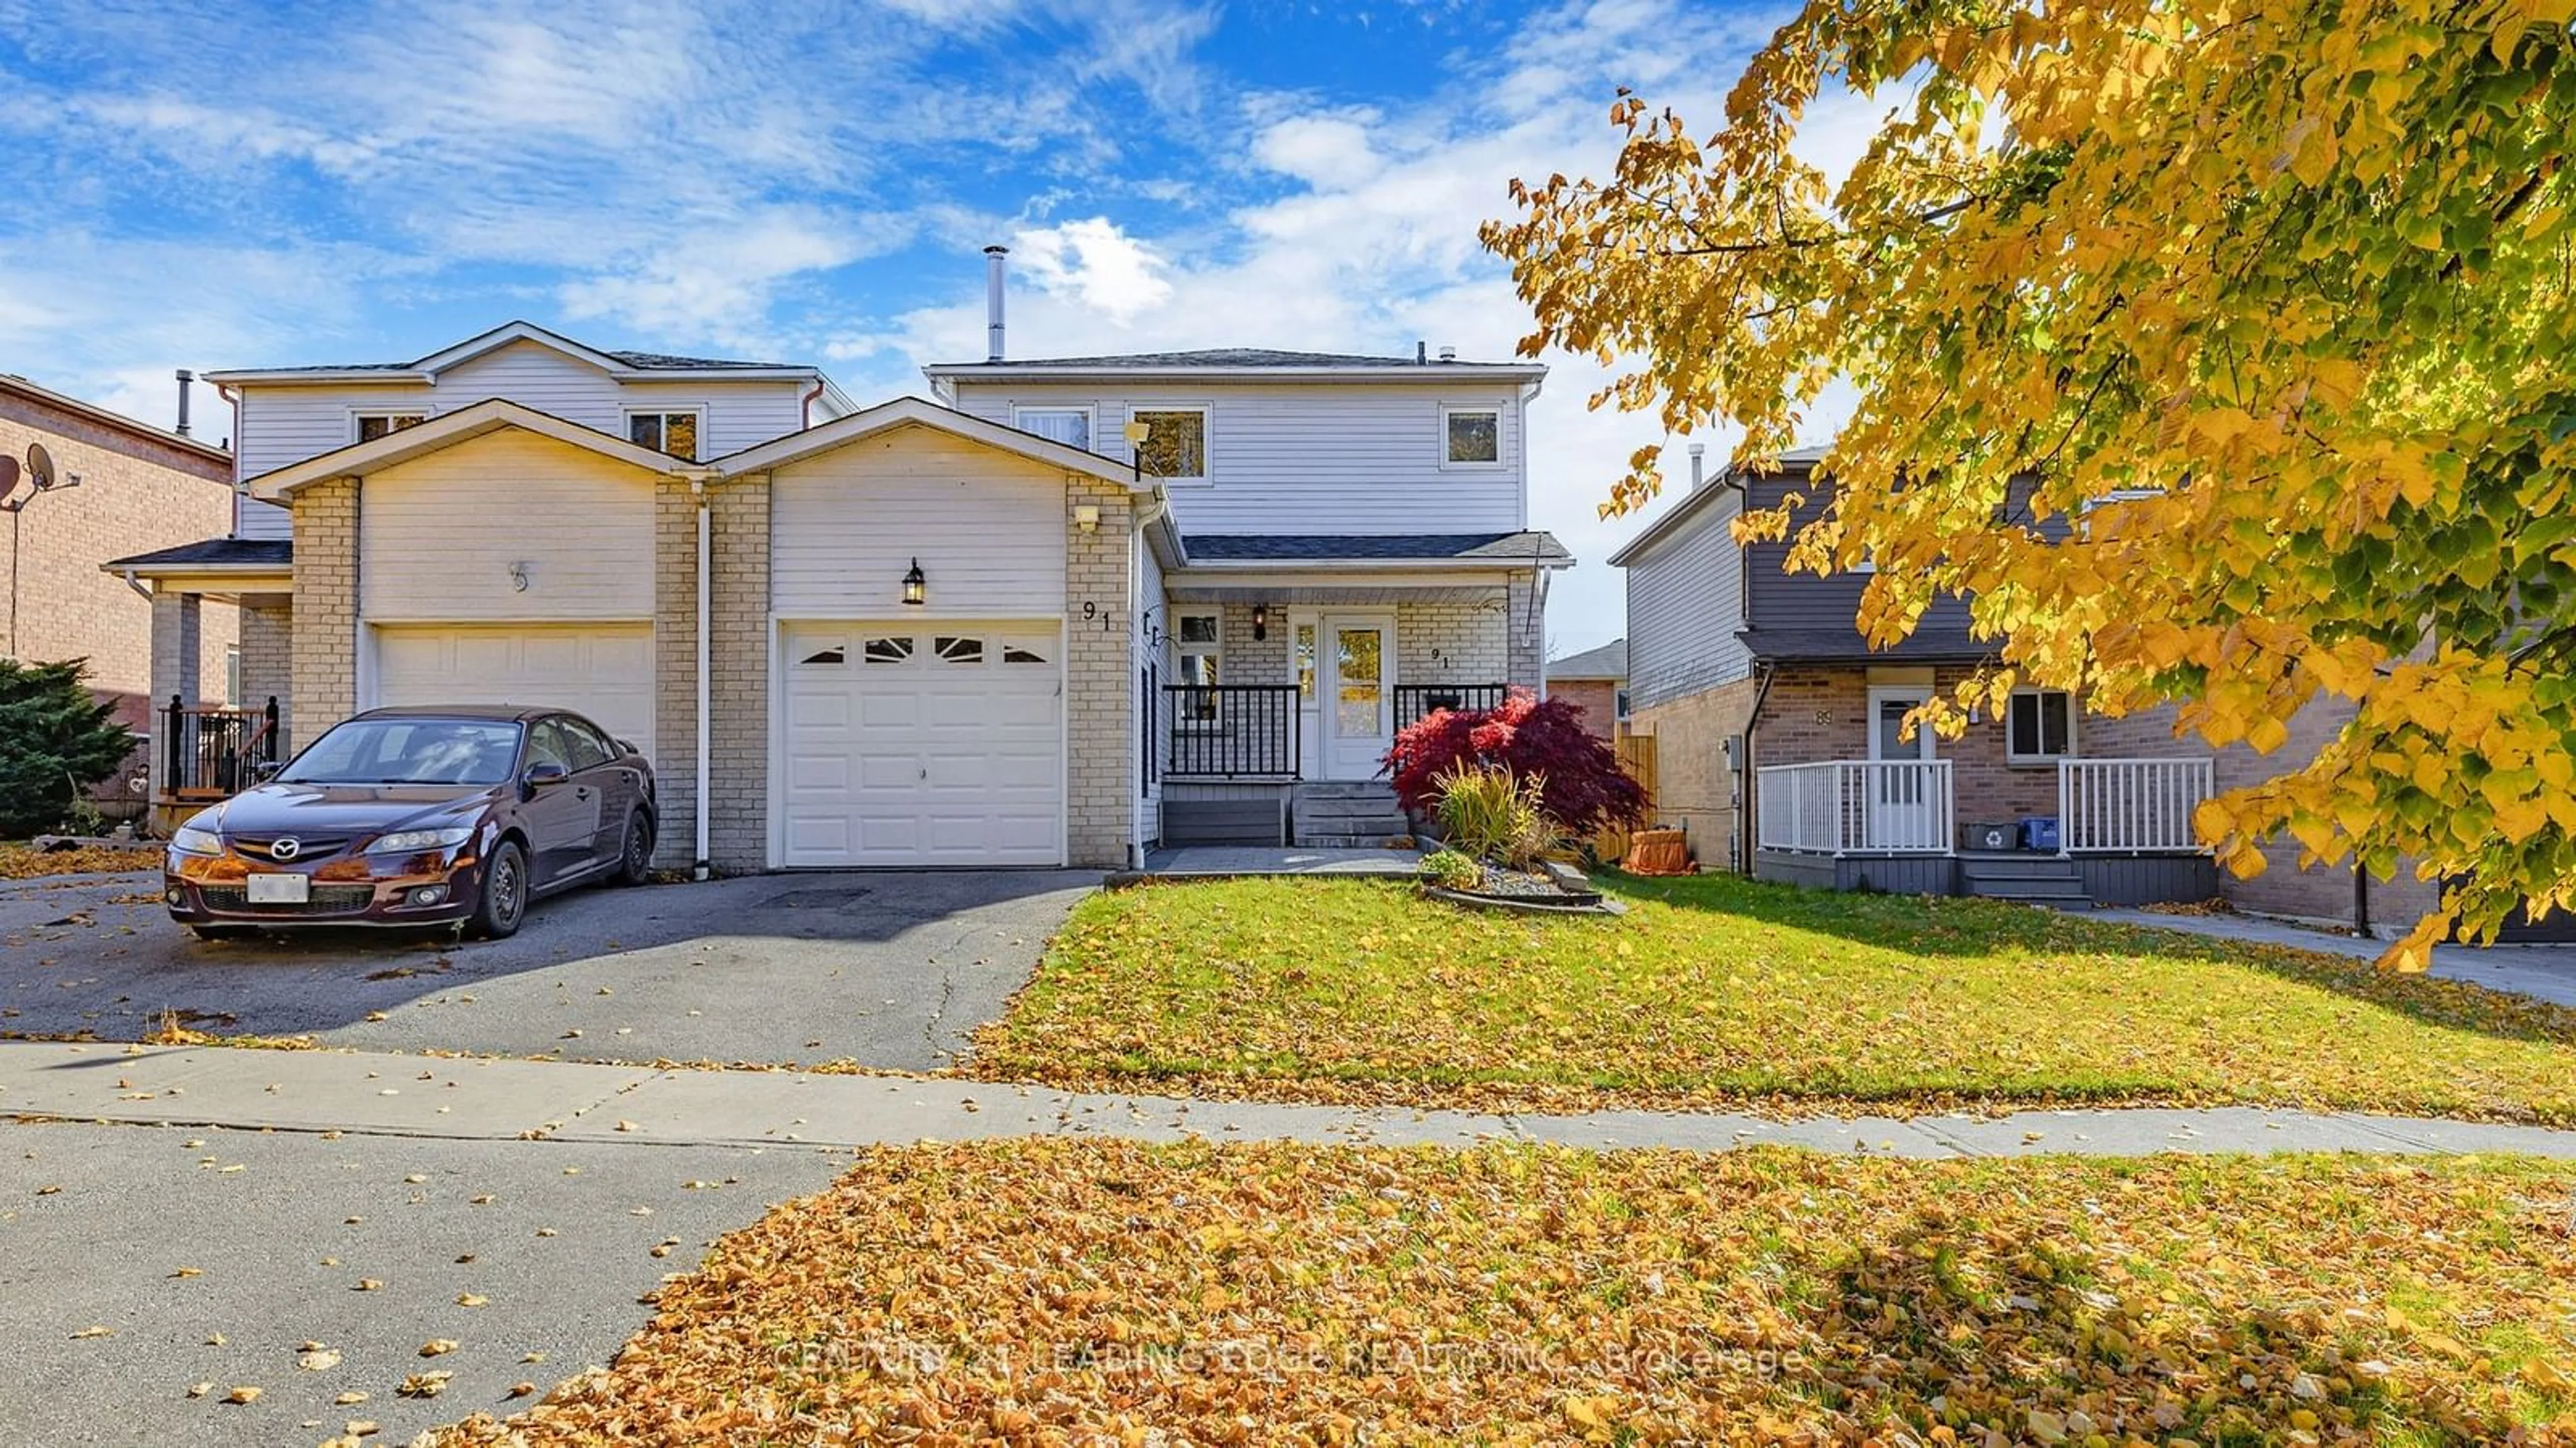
pixel 280 890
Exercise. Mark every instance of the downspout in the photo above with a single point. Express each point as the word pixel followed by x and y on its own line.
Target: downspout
pixel 1747 839
pixel 136 584
pixel 702 869
pixel 805 408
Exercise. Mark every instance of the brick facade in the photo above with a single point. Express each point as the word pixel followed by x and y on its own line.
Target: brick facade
pixel 1695 789
pixel 1102 766
pixel 1822 712
pixel 324 654
pixel 738 816
pixel 140 491
pixel 675 670
pixel 268 661
pixel 1597 698
pixel 1525 619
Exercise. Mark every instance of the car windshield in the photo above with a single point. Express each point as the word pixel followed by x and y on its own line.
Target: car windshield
pixel 410 751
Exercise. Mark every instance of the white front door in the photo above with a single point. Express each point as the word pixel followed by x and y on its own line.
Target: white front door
pixel 911 743
pixel 1897 806
pixel 1358 677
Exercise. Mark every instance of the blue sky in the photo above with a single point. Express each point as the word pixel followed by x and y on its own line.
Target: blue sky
pixel 271 184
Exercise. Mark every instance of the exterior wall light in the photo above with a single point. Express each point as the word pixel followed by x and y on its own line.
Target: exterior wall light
pixel 916 589
pixel 1086 516
pixel 1261 620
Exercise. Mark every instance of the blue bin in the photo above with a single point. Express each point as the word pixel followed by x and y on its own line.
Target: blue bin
pixel 2039 832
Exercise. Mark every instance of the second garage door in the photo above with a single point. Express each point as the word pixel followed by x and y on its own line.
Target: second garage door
pixel 603 671
pixel 914 744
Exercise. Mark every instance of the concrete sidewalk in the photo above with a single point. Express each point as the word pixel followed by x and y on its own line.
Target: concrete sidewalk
pixel 2543 972
pixel 494 1100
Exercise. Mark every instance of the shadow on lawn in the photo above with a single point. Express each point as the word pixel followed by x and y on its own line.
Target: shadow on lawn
pixel 1962 927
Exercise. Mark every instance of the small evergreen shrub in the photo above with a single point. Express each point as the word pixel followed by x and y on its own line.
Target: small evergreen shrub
pixel 55 743
pixel 1453 870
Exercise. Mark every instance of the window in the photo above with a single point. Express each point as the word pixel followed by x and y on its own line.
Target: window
pixel 888 650
pixel 957 650
pixel 1305 663
pixel 1068 425
pixel 1175 450
pixel 2040 726
pixel 1022 654
pixel 1619 705
pixel 675 433
pixel 232 676
pixel 826 655
pixel 373 425
pixel 1474 436
pixel 1197 657
pixel 589 751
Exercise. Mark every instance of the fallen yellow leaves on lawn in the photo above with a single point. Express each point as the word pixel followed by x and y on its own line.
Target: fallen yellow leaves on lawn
pixel 1079 1292
pixel 1716 992
pixel 17 862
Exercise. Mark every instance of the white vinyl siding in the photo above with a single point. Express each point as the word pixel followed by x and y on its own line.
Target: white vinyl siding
pixel 440 534
pixel 845 526
pixel 1685 603
pixel 280 425
pixel 1287 457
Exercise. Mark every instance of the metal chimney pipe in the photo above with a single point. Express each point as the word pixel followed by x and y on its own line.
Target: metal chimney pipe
pixel 1421 353
pixel 187 384
pixel 993 301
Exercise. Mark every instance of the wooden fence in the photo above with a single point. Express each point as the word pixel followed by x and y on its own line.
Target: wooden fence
pixel 1637 756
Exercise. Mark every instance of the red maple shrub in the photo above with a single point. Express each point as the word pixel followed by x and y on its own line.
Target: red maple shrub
pixel 1586 790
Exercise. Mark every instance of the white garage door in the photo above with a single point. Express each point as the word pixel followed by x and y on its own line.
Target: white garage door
pixel 604 671
pixel 915 743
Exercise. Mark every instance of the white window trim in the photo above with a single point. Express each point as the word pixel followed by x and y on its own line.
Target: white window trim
pixel 1215 650
pixel 355 413
pixel 1207 438
pixel 627 414
pixel 1451 409
pixel 232 676
pixel 1090 418
pixel 2015 757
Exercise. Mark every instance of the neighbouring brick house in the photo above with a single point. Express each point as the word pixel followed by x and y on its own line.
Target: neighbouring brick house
pixel 121 487
pixel 1069 609
pixel 1778 746
pixel 1595 681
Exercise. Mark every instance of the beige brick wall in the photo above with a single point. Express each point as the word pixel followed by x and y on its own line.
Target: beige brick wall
pixel 1597 698
pixel 268 661
pixel 675 670
pixel 1694 788
pixel 1455 643
pixel 1101 779
pixel 738 816
pixel 324 664
pixel 1526 619
pixel 136 495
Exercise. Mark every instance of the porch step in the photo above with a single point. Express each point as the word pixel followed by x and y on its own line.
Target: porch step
pixel 2033 879
pixel 1346 814
pixel 1225 822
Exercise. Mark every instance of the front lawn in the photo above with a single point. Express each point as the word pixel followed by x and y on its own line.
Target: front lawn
pixel 1719 991
pixel 1077 1292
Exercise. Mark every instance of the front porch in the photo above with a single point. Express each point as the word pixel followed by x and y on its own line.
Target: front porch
pixel 2122 833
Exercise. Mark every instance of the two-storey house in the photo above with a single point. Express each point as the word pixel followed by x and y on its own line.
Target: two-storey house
pixel 988 630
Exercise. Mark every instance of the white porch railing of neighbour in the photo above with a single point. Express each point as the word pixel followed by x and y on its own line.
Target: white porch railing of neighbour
pixel 2138 806
pixel 1855 806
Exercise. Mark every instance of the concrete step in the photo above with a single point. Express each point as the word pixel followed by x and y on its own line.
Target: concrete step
pixel 1350 842
pixel 1345 789
pixel 1344 809
pixel 1223 822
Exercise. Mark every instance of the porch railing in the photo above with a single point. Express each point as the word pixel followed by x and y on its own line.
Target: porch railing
pixel 2130 805
pixel 1421 701
pixel 1854 806
pixel 214 753
pixel 1229 731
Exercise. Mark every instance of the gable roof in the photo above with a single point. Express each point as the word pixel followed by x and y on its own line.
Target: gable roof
pixel 213 464
pixel 446 430
pixel 916 412
pixel 625 366
pixel 1238 362
pixel 1796 461
pixel 1610 661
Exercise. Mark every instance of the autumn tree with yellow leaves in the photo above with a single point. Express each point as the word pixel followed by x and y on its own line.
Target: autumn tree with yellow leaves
pixel 2222 351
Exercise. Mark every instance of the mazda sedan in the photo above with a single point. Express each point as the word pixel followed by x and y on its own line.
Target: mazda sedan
pixel 419 817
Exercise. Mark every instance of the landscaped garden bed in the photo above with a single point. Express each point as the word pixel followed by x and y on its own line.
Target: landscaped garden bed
pixel 1079 1292
pixel 1717 992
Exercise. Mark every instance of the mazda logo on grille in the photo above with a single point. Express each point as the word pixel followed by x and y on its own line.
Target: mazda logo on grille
pixel 285 849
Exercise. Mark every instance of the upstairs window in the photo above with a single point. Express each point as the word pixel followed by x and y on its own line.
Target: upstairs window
pixel 373 425
pixel 1473 436
pixel 1175 448
pixel 1068 425
pixel 675 433
pixel 2040 728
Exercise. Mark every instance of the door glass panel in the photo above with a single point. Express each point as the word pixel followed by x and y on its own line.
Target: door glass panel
pixel 1306 662
pixel 1892 743
pixel 1362 688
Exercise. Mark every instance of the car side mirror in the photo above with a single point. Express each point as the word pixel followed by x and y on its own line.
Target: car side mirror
pixel 627 747
pixel 266 770
pixel 545 775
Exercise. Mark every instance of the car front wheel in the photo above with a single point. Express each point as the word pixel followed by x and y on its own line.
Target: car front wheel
pixel 505 892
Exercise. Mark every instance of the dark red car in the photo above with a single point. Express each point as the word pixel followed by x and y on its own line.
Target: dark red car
pixel 419 817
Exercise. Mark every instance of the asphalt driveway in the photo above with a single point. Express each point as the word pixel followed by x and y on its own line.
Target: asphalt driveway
pixel 888 971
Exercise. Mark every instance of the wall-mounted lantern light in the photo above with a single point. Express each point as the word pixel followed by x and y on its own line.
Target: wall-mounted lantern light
pixel 1136 432
pixel 1086 516
pixel 1261 620
pixel 916 589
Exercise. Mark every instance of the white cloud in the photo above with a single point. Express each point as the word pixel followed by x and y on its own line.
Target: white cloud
pixel 1322 151
pixel 1096 264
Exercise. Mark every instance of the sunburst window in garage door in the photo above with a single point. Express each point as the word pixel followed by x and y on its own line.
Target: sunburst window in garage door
pixel 888 650
pixel 1021 653
pixel 959 650
pixel 820 654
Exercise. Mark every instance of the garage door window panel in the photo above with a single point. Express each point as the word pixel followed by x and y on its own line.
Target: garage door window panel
pixel 956 649
pixel 895 650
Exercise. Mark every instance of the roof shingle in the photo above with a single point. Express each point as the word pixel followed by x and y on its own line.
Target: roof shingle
pixel 1524 547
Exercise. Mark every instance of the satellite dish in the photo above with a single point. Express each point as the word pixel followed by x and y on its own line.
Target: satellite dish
pixel 40 466
pixel 8 474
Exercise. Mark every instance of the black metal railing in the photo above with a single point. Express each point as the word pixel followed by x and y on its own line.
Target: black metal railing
pixel 1421 701
pixel 214 753
pixel 1230 731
